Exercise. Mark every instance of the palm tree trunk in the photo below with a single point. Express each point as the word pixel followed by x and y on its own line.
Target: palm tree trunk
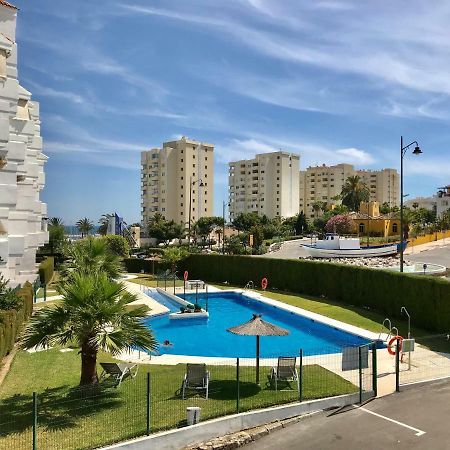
pixel 88 365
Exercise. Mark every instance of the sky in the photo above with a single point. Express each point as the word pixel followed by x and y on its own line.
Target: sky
pixel 332 80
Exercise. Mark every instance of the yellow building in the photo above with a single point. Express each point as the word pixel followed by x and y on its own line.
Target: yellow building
pixel 369 220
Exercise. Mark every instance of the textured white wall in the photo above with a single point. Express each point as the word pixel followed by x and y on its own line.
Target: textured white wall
pixel 22 229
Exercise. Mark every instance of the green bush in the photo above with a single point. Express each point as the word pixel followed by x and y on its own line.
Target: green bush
pixel 12 320
pixel 46 269
pixel 117 244
pixel 136 265
pixel 426 298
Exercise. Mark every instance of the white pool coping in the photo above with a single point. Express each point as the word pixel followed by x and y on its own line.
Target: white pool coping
pixel 171 359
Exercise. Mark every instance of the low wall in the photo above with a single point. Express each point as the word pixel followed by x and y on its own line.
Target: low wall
pixel 419 240
pixel 176 439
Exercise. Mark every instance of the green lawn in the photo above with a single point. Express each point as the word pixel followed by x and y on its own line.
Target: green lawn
pixel 72 419
pixel 150 281
pixel 354 315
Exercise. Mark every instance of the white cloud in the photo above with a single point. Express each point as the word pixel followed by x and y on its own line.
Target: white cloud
pixel 355 156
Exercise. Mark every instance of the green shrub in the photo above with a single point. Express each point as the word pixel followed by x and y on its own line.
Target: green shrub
pixel 426 298
pixel 117 244
pixel 12 320
pixel 136 265
pixel 46 269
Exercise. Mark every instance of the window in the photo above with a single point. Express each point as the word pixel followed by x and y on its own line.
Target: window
pixel 394 228
pixel 206 201
pixel 182 169
pixel 361 228
pixel 181 204
pixel 193 165
pixel 22 109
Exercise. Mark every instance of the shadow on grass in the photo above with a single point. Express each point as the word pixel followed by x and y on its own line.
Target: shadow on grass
pixel 58 408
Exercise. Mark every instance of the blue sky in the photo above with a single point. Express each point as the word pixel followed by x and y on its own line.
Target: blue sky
pixel 335 81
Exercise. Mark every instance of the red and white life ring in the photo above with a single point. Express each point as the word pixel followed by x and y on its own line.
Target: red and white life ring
pixel 391 348
pixel 264 283
pixel 186 275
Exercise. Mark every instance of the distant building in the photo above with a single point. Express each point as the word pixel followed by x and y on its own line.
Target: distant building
pixel 442 200
pixel 171 175
pixel 422 202
pixel 439 202
pixel 266 185
pixel 324 184
pixel 369 220
pixel 23 224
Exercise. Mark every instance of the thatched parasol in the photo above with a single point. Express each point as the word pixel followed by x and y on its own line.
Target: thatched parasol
pixel 258 327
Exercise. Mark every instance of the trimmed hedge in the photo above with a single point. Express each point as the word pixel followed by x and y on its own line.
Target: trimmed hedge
pixel 46 269
pixel 426 298
pixel 11 321
pixel 135 265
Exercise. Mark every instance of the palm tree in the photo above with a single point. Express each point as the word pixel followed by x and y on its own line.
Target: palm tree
pixel 91 255
pixel 316 206
pixel 354 192
pixel 56 222
pixel 104 221
pixel 92 315
pixel 84 226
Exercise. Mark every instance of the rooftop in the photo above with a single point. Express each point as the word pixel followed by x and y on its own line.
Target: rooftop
pixel 8 5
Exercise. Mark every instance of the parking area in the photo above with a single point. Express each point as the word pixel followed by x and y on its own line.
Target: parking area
pixel 416 418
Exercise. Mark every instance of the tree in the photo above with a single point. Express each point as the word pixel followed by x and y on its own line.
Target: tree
pixel 300 224
pixel 354 192
pixel 104 221
pixel 316 206
pixel 8 296
pixel 56 221
pixel 91 255
pixel 117 244
pixel 340 224
pixel 172 256
pixel 245 221
pixel 93 315
pixel 234 245
pixel 205 226
pixel 164 231
pixel 56 234
pixel 84 226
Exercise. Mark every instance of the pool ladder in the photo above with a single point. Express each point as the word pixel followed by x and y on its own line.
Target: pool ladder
pixel 250 285
pixel 390 328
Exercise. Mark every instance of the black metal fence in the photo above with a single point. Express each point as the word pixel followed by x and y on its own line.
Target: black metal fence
pixel 86 418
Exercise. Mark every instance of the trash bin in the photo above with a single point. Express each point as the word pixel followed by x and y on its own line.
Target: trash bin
pixel 193 415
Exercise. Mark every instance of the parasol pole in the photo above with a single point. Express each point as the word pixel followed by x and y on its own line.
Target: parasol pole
pixel 257 359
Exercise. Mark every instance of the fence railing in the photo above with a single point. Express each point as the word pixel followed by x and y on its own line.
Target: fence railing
pixel 85 418
pixel 429 360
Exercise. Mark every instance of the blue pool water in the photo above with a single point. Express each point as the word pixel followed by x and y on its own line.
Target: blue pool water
pixel 208 337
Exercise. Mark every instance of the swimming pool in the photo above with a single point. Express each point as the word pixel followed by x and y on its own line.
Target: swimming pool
pixel 208 337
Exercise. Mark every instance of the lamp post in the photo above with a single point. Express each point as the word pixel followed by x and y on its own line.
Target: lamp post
pixel 416 151
pixel 191 184
pixel 223 230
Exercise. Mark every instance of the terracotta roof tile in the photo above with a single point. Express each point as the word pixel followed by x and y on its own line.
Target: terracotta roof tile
pixel 8 5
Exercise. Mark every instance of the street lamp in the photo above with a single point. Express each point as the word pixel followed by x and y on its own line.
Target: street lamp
pixel 416 151
pixel 191 184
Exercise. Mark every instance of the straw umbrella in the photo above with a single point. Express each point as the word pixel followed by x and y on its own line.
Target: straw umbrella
pixel 258 327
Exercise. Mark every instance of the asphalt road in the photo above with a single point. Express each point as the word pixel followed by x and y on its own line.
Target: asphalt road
pixel 414 419
pixel 439 255
pixel 293 250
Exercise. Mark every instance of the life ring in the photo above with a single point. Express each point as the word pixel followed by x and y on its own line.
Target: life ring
pixel 186 275
pixel 264 283
pixel 393 339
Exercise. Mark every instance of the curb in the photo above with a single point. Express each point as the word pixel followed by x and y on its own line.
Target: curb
pixel 241 438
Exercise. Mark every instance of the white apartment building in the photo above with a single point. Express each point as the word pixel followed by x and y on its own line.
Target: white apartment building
pixel 324 184
pixel 178 177
pixel 22 214
pixel 439 202
pixel 267 185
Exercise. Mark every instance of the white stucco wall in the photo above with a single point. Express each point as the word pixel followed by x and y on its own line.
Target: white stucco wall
pixel 22 228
